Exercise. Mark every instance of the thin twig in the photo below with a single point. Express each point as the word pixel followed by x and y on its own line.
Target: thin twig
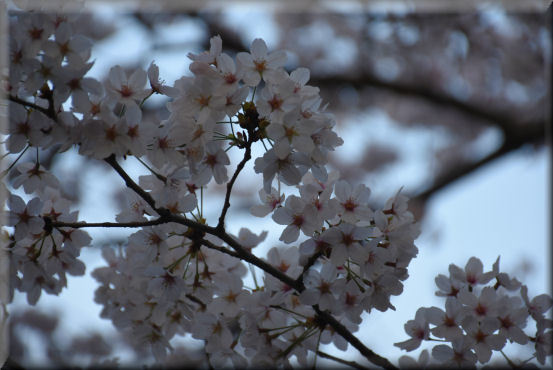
pixel 247 157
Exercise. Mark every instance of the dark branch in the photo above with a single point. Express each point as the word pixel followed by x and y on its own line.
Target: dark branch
pixel 230 184
pixel 210 245
pixel 502 121
pixel 310 262
pixel 25 103
pixel 524 135
pixel 352 339
pixel 81 224
pixel 130 183
pixel 245 255
pixel 350 363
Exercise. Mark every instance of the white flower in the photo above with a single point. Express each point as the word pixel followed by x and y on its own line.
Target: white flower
pixel 298 216
pixel 270 202
pixel 345 242
pixel 538 306
pixel 157 85
pixel 231 297
pixel 250 240
pixel 484 306
pixel 322 288
pixel 286 260
pixel 473 273
pixel 448 322
pixel 512 318
pixel 215 161
pixel 290 169
pixel 213 329
pixel 544 340
pixel 447 286
pixel 406 362
pixel 25 217
pixel 350 303
pixel 480 334
pixel 259 64
pixel 417 329
pixel 33 176
pixel 353 202
pixel 127 90
pixel 209 57
pixel 460 355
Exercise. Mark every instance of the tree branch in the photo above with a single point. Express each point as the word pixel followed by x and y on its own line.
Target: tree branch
pixel 524 135
pixel 243 254
pixel 77 225
pixel 352 339
pixel 25 103
pixel 505 122
pixel 230 184
pixel 210 245
pixel 350 363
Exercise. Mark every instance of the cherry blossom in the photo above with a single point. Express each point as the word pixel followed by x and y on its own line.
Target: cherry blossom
pixel 180 271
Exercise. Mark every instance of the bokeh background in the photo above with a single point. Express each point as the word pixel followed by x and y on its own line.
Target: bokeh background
pixel 452 106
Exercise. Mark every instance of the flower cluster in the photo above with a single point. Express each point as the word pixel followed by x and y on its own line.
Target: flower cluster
pixel 177 274
pixel 482 313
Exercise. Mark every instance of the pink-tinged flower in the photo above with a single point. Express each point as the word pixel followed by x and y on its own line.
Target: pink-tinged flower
pixel 417 329
pixel 484 306
pixel 290 169
pixel 353 202
pixel 209 57
pixel 322 288
pixel 512 318
pixel 33 177
pixel 293 132
pixel 345 242
pixel 35 280
pixel 230 297
pixel 250 240
pixel 67 44
pixel 298 216
pixel 406 362
pixel 544 340
pixel 213 329
pixel 286 261
pixel 300 76
pixel 448 322
pixel 203 100
pixel 482 338
pixel 349 302
pixel 235 99
pixel 127 90
pixel 270 202
pixel 158 86
pixel 165 285
pixel 260 64
pixel 538 306
pixel 228 72
pixel 25 217
pixel 473 273
pixel 214 162
pixel 460 355
pixel 277 99
pixel 26 128
pixel 448 287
